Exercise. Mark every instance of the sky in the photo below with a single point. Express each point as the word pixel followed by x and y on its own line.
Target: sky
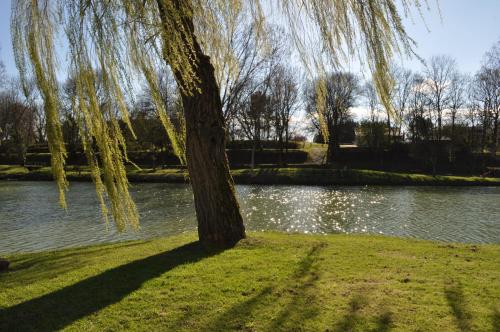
pixel 463 29
pixel 467 30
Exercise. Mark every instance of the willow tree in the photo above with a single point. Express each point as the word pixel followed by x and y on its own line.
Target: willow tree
pixel 127 39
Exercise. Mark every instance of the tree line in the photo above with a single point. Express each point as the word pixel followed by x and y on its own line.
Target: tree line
pixel 440 103
pixel 436 104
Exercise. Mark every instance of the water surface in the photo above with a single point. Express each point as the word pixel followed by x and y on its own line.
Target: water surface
pixel 31 219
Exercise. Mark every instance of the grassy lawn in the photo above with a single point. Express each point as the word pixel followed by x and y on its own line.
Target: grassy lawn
pixel 268 282
pixel 268 175
pixel 7 170
pixel 325 176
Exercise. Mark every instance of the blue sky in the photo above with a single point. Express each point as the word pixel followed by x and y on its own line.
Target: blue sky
pixel 467 30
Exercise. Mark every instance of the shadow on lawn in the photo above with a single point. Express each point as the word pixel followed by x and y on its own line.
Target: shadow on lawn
pixel 59 309
pixel 455 296
pixel 294 302
pixel 298 291
pixel 354 317
pixel 28 269
pixel 495 317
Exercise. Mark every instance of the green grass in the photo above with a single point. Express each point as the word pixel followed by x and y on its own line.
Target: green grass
pixel 269 175
pixel 326 176
pixel 268 282
pixel 12 170
pixel 308 146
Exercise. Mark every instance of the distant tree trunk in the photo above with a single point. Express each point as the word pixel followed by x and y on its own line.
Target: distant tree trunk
pixel 286 141
pixel 439 122
pixel 453 141
pixel 453 119
pixel 21 151
pixel 483 131
pixel 256 140
pixel 389 128
pixel 219 220
pixel 495 135
pixel 252 158
pixel 279 129
pixel 280 141
pixel 332 152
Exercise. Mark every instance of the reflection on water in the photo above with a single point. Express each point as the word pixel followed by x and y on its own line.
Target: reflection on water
pixel 30 218
pixel 446 214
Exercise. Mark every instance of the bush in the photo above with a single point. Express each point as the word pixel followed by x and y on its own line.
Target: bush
pixel 241 145
pixel 372 134
pixel 9 159
pixel 244 157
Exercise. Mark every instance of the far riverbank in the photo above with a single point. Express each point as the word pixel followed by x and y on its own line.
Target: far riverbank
pixel 267 175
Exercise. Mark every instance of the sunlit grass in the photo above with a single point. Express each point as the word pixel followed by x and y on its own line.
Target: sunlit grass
pixel 308 146
pixel 6 170
pixel 268 282
pixel 267 175
pixel 326 176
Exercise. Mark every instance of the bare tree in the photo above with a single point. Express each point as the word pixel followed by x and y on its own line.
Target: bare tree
pixel 252 118
pixel 403 83
pixel 489 75
pixel 283 102
pixel 472 115
pixel 249 67
pixel 17 121
pixel 32 98
pixel 3 74
pixel 341 91
pixel 457 98
pixel 417 117
pixel 370 94
pixel 439 72
pixel 486 92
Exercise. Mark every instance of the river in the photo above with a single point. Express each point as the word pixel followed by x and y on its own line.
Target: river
pixel 31 219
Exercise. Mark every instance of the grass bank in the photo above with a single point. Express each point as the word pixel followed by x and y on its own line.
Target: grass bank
pixel 268 175
pixel 268 282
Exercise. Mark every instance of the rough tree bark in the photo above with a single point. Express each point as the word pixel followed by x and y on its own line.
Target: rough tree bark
pixel 219 220
pixel 333 149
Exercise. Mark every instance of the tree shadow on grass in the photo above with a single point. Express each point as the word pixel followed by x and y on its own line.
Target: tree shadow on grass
pixel 60 308
pixel 298 285
pixel 495 317
pixel 384 322
pixel 455 296
pixel 27 269
pixel 236 317
pixel 353 318
pixel 301 306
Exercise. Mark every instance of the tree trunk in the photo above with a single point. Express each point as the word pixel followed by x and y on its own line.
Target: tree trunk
pixel 252 157
pixel 439 126
pixel 332 151
pixel 280 141
pixel 286 142
pixel 389 128
pixel 494 146
pixel 453 141
pixel 483 136
pixel 219 220
pixel 453 117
